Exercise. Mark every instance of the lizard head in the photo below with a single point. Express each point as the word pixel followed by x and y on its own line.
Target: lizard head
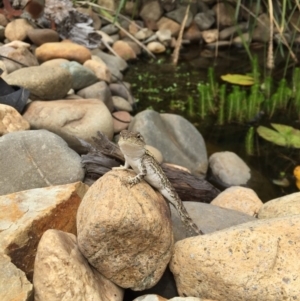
pixel 131 143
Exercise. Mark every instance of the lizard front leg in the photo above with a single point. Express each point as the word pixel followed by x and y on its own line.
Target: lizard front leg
pixel 125 166
pixel 143 172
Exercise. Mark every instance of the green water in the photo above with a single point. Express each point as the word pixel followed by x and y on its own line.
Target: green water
pixel 160 86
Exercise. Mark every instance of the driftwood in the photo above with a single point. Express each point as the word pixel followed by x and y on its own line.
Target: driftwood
pixel 104 155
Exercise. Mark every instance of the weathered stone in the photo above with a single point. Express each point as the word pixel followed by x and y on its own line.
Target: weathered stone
pixel 239 198
pixel 36 159
pixel 26 215
pixel 124 50
pixel 204 21
pixel 100 70
pixel 11 120
pixel 81 118
pixel 14 285
pixel 81 76
pixel 40 36
pixel 166 23
pixel 253 261
pixel 57 261
pixel 151 10
pixel 156 47
pixel 177 139
pixel 99 91
pixel 43 82
pixel 17 29
pixel 125 233
pixel 121 120
pixel 208 218
pixel 284 206
pixel 64 50
pixel 229 168
pixel 19 53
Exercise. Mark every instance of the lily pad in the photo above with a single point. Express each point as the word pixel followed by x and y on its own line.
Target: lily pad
pixel 238 79
pixel 284 136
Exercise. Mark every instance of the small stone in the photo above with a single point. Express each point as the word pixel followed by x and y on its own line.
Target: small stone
pixel 156 47
pixel 100 70
pixel 121 120
pixel 165 23
pixel 124 50
pixel 204 21
pixel 65 50
pixel 229 168
pixel 179 14
pixel 122 90
pixel 164 36
pixel 11 120
pixel 239 198
pixel 193 33
pixel 121 104
pixel 105 38
pixel 225 14
pixel 40 36
pixel 99 91
pixel 210 36
pixel 144 34
pixel 110 29
pixel 17 29
pixel 151 10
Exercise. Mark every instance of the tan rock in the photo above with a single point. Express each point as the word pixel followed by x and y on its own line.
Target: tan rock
pixel 14 285
pixel 54 63
pixel 99 68
pixel 165 23
pixel 68 51
pixel 17 29
pixel 3 20
pixel 62 273
pixel 239 198
pixel 124 50
pixel 144 34
pixel 210 36
pixel 193 33
pixel 284 206
pixel 151 10
pixel 125 232
pixel 69 119
pixel 26 215
pixel 253 261
pixel 156 47
pixel 121 120
pixel 11 120
pixel 110 4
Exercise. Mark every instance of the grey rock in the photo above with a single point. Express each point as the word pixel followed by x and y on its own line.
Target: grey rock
pixel 208 218
pixel 229 168
pixel 40 36
pixel 99 91
pixel 81 76
pixel 151 10
pixel 122 90
pixel 204 20
pixel 110 29
pixel 13 282
pixel 34 159
pixel 178 14
pixel 177 139
pixel 43 82
pixel 228 32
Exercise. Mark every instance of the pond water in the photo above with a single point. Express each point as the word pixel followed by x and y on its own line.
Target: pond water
pixel 160 86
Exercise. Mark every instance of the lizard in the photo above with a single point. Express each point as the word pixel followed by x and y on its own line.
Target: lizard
pixel 146 167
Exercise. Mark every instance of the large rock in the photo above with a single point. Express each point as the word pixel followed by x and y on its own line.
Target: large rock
pixel 14 285
pixel 26 215
pixel 125 232
pixel 69 119
pixel 33 159
pixel 11 120
pixel 57 261
pixel 63 50
pixel 284 206
pixel 240 199
pixel 177 139
pixel 254 261
pixel 208 218
pixel 43 82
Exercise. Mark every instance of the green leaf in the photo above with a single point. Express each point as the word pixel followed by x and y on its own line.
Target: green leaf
pixel 238 79
pixel 284 136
